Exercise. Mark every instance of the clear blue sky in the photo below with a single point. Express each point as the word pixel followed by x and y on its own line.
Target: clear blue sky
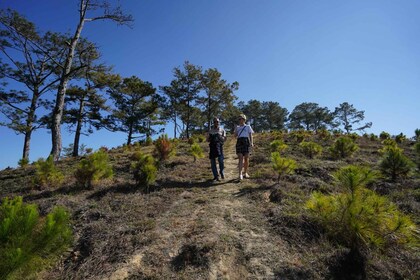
pixel 362 52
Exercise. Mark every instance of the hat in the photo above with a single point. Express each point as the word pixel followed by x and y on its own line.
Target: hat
pixel 242 116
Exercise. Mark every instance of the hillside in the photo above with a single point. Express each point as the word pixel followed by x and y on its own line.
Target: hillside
pixel 189 227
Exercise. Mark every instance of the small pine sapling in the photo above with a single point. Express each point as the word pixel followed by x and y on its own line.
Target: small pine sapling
pixel 164 148
pixel 196 151
pixel 384 135
pixel 400 138
pixel 93 169
pixel 358 217
pixel 311 149
pixel 282 165
pixel 343 147
pixel 394 164
pixel 144 171
pixel 27 242
pixel 278 146
pixel 23 162
pixel 417 134
pixel 47 175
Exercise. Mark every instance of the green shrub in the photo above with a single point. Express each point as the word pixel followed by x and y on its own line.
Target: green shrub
pixel 300 135
pixel 148 141
pixel 47 175
pixel 353 136
pixel 384 135
pixel 311 149
pixel 277 134
pixel 144 171
pixel 27 242
pixel 400 138
pixel 343 147
pixel 358 217
pixel 192 140
pixel 373 137
pixel 278 146
pixel 417 134
pixel 196 151
pixel 282 165
pixel 164 148
pixel 93 168
pixel 23 162
pixel 394 164
pixel 201 138
pixel 388 144
pixel 324 134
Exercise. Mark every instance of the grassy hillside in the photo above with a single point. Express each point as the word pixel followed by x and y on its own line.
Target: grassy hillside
pixel 189 227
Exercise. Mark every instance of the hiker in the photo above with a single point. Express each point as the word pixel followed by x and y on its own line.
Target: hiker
pixel 216 137
pixel 243 132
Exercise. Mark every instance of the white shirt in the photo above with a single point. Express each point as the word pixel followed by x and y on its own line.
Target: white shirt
pixel 243 131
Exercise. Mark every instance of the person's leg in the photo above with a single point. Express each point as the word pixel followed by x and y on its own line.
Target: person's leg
pixel 214 168
pixel 246 164
pixel 221 166
pixel 240 165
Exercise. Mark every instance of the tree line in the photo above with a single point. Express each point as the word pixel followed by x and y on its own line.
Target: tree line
pixel 49 79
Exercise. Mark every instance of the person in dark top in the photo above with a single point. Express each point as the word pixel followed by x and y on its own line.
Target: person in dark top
pixel 216 138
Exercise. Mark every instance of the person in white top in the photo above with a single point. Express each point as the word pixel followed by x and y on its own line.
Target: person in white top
pixel 244 141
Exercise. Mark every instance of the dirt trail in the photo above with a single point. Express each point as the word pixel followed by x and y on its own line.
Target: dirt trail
pixel 210 233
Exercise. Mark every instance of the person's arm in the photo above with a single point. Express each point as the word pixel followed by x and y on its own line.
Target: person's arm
pixel 224 135
pixel 235 133
pixel 251 138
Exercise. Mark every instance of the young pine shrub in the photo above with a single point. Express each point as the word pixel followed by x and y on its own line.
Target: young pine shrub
pixel 384 135
pixel 47 175
pixel 343 147
pixel 148 141
pixel 28 243
pixel 394 164
pixel 358 217
pixel 196 151
pixel 282 165
pixel 373 137
pixel 417 134
pixel 310 149
pixel 93 168
pixel 324 134
pixel 164 148
pixel 144 171
pixel 192 140
pixel 278 146
pixel 23 162
pixel 400 138
pixel 201 138
pixel 300 135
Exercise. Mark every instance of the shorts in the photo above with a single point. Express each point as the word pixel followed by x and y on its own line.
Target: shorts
pixel 242 145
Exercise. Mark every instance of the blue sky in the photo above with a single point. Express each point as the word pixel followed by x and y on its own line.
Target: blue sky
pixel 362 52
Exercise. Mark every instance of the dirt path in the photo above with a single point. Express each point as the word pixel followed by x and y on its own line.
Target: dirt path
pixel 210 233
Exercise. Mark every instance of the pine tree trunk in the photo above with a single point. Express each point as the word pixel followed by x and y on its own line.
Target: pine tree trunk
pixel 78 129
pixel 61 92
pixel 130 134
pixel 29 124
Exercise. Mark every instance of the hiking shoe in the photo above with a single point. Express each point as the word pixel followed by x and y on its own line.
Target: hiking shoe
pixel 222 176
pixel 216 179
pixel 247 175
